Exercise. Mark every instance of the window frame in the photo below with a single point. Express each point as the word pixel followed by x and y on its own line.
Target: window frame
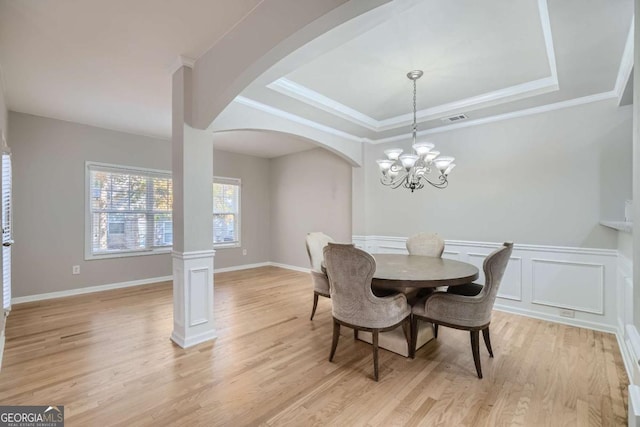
pixel 88 253
pixel 238 214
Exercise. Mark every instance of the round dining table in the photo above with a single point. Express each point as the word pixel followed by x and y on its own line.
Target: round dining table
pixel 400 270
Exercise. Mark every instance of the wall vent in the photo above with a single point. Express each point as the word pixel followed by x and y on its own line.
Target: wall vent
pixel 456 118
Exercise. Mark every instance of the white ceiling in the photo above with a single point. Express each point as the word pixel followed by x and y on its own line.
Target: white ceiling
pixel 107 63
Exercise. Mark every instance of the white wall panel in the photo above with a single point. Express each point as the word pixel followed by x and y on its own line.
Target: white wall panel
pixel 567 284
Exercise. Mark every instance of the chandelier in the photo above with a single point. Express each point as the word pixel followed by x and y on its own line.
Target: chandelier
pixel 423 166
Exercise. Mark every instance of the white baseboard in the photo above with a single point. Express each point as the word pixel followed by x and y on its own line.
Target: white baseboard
pixel 89 289
pixel 290 267
pixel 100 288
pixel 241 267
pixel 556 319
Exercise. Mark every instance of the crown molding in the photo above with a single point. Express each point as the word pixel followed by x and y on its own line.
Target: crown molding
pixel 626 63
pixel 181 61
pixel 506 116
pixel 407 136
pixel 308 96
pixel 512 93
pixel 296 119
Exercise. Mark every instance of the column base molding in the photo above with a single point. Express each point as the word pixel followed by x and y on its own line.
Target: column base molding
pixel 193 321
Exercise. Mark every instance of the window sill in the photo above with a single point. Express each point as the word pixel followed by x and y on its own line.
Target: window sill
pixel 226 245
pixel 93 257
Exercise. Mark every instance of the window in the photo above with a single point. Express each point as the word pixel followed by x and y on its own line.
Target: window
pixel 226 212
pixel 7 238
pixel 129 211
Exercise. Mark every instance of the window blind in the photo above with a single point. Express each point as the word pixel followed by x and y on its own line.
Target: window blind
pixel 7 235
pixel 129 210
pixel 226 211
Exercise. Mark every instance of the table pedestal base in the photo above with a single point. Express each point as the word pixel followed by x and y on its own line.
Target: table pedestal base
pixel 396 341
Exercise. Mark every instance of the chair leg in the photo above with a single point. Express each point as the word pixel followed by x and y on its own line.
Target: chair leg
pixel 435 330
pixel 315 305
pixel 414 337
pixel 334 342
pixel 475 349
pixel 487 340
pixel 406 329
pixel 355 334
pixel 374 334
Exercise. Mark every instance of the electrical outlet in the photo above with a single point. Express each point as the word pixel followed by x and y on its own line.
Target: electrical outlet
pixel 244 252
pixel 568 313
pixel 75 269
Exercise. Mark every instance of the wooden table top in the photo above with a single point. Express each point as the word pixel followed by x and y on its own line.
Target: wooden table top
pixel 423 271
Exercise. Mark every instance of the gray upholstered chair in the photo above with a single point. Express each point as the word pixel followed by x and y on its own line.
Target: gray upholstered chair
pixel 425 244
pixel 350 271
pixel 316 241
pixel 467 307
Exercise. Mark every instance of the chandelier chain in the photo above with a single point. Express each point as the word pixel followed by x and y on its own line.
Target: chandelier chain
pixel 415 123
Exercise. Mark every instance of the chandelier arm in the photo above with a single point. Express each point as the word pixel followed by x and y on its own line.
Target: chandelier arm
pixel 441 184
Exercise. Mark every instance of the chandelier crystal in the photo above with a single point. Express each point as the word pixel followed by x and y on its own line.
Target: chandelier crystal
pixel 413 170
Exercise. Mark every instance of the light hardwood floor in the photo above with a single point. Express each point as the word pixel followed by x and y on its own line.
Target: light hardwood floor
pixel 107 357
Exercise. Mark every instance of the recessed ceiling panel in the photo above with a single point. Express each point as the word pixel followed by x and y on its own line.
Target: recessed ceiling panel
pixel 466 48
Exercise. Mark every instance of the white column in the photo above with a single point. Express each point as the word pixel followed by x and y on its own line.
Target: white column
pixel 192 165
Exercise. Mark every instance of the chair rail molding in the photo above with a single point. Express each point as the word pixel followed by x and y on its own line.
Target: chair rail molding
pixel 540 281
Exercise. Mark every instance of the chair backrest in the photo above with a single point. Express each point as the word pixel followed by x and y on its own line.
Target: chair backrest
pixel 425 244
pixel 494 266
pixel 316 241
pixel 350 271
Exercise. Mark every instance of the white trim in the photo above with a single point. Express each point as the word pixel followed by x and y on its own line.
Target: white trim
pixel 89 290
pixel 626 63
pixel 603 288
pixel 223 180
pixel 602 327
pixel 193 254
pixel 241 267
pixel 545 23
pixel 322 102
pixel 497 97
pixel 508 94
pixel 499 117
pixel 407 136
pixel 627 358
pixel 290 267
pixel 495 245
pixel 633 416
pixel 181 61
pixel 296 119
pixel 110 167
pixel 193 340
pixel 536 300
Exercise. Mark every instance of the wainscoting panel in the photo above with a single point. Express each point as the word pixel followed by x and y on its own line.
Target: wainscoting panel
pixel 572 285
pixel 575 286
pixel 198 288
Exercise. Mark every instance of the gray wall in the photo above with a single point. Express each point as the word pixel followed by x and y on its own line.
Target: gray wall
pixel 49 190
pixel 254 207
pixel 310 191
pixel 49 201
pixel 544 179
